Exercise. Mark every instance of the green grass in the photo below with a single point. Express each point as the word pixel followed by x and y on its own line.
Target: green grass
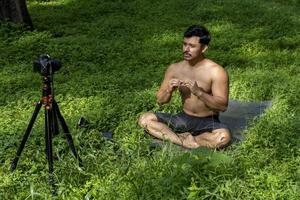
pixel 114 54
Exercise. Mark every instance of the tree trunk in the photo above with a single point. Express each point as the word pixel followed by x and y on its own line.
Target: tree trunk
pixel 15 11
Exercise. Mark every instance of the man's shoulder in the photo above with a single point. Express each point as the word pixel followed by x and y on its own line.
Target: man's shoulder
pixel 216 70
pixel 214 67
pixel 211 64
pixel 176 65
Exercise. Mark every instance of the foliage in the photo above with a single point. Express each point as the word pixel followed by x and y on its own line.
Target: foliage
pixel 114 54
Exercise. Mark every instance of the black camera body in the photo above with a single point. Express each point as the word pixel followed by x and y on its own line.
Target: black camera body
pixel 45 65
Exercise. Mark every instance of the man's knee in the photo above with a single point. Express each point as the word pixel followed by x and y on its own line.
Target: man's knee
pixel 223 139
pixel 145 118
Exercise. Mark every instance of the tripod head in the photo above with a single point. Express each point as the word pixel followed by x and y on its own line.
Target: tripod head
pixel 45 65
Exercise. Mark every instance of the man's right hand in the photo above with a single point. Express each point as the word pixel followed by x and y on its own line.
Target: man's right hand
pixel 174 84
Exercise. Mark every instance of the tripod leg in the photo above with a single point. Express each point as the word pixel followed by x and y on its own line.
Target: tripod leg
pixel 48 142
pixel 55 129
pixel 26 135
pixel 66 132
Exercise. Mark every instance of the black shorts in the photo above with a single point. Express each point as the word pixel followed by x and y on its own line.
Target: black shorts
pixel 183 122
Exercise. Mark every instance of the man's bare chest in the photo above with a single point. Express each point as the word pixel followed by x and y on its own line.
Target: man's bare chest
pixel 202 78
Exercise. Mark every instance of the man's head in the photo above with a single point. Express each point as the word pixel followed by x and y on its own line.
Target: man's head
pixel 200 31
pixel 196 40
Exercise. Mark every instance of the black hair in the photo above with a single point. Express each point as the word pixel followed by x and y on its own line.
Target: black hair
pixel 200 31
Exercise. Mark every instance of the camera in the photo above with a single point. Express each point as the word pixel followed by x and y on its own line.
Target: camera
pixel 45 65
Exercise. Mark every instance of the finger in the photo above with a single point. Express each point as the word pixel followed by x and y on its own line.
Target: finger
pixel 173 81
pixel 174 84
pixel 187 85
pixel 178 82
pixel 187 82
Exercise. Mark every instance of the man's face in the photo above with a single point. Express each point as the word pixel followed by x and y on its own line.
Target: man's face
pixel 192 48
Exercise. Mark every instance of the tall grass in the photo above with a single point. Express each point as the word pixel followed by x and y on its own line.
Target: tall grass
pixel 114 54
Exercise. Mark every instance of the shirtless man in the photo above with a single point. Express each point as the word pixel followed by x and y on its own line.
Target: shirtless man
pixel 203 86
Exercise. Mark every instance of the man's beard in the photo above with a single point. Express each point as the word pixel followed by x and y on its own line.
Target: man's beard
pixel 187 56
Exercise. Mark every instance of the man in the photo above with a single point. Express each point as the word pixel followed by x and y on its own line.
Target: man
pixel 203 86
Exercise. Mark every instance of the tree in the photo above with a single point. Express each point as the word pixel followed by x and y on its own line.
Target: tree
pixel 15 11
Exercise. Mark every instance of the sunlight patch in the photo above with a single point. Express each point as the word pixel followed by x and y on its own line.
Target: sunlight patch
pixel 31 38
pixel 48 3
pixel 252 49
pixel 166 38
pixel 80 106
pixel 19 113
pixel 220 27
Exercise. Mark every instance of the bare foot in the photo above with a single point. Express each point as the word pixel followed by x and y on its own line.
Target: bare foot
pixel 188 141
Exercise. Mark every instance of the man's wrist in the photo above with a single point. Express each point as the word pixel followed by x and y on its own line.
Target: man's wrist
pixel 168 91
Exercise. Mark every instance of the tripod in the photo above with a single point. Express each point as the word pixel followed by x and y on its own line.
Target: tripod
pixel 52 116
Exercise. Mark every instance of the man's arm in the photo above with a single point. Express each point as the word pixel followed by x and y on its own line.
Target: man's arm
pixel 167 87
pixel 218 99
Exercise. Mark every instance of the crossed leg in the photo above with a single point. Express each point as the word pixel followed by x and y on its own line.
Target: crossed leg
pixel 218 138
